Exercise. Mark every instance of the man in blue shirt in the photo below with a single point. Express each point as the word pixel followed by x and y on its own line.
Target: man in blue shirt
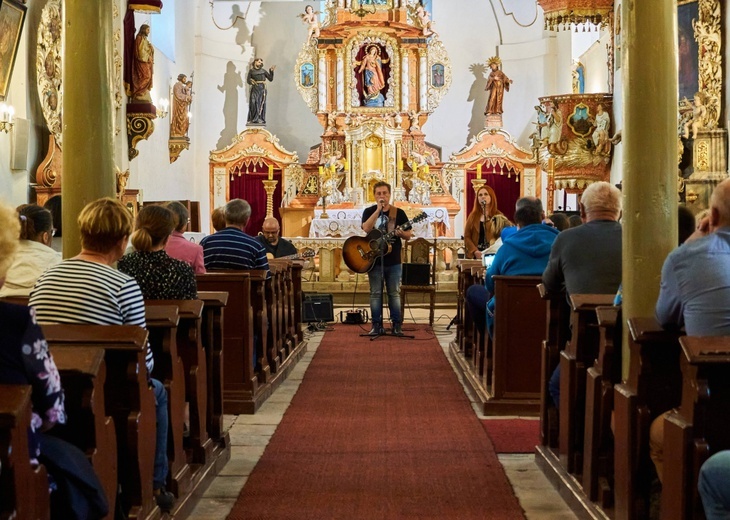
pixel 232 248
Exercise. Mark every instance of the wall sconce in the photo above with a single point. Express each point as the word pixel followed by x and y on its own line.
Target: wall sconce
pixel 7 112
pixel 163 106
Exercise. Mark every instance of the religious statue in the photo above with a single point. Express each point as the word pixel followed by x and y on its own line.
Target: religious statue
pixel 373 80
pixel 331 123
pixel 555 131
pixel 497 83
pixel 697 121
pixel 310 17
pixel 182 96
pixel 600 136
pixel 333 172
pixel 143 66
pixel 257 77
pixel 424 18
pixel 415 125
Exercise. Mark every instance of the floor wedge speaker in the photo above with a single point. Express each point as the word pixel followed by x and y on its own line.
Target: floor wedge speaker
pixel 416 274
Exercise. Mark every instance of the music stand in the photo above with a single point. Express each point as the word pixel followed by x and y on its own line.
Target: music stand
pixel 383 247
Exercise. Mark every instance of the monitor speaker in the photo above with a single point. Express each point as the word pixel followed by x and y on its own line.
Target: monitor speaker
pixel 416 274
pixel 317 307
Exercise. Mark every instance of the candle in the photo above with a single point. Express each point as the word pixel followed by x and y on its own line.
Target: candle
pixel 332 167
pixel 479 171
pixel 347 165
pixel 400 162
pixel 271 172
pixel 425 169
pixel 321 170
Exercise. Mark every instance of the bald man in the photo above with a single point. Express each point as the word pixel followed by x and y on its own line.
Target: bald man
pixel 275 246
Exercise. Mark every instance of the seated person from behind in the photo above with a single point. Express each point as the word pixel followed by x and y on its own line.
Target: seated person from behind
pixel 26 360
pixel 178 246
pixel 218 218
pixel 695 289
pixel 502 228
pixel 524 253
pixel 159 277
pixel 232 248
pixel 86 289
pixel 34 253
pixel 714 486
pixel 275 246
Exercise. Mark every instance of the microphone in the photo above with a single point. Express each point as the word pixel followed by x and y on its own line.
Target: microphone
pixel 381 203
pixel 483 203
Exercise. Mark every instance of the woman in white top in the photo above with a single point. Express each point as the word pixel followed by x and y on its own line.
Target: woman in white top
pixel 34 254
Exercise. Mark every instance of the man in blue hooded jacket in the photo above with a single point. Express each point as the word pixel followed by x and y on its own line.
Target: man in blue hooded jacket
pixel 525 253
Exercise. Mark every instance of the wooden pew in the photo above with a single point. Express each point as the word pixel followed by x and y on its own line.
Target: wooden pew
pixel 653 387
pixel 600 379
pixel 513 379
pixel 296 301
pixel 273 334
pixel 162 322
pixel 557 334
pixel 23 489
pixel 700 426
pixel 128 399
pixel 579 354
pixel 83 375
pixel 259 282
pixel 481 359
pixel 214 304
pixel 462 344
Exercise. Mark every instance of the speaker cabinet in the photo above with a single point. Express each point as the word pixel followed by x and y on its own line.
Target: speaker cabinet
pixel 416 274
pixel 317 307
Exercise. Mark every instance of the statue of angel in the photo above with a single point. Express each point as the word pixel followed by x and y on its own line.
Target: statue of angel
pixel 424 18
pixel 309 16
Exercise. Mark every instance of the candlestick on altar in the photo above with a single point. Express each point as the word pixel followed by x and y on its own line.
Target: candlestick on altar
pixel 270 188
pixel 271 171
pixel 479 171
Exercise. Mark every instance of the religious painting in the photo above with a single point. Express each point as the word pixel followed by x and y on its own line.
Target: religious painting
pixel 12 16
pixel 306 75
pixel 687 11
pixel 437 75
pixel 579 121
pixel 372 70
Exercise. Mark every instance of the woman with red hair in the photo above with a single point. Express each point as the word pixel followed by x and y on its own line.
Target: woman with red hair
pixel 479 230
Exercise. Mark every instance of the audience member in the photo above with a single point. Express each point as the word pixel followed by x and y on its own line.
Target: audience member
pixel 87 289
pixel 695 289
pixel 54 206
pixel 26 360
pixel 218 218
pixel 524 253
pixel 686 223
pixel 714 486
pixel 178 246
pixel 478 230
pixel 575 221
pixel 159 277
pixel 560 221
pixel 34 254
pixel 587 259
pixel 503 229
pixel 275 246
pixel 232 248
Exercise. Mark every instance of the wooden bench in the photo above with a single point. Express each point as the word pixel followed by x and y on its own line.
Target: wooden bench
pixel 296 301
pixel 653 387
pixel 83 375
pixel 461 346
pixel 214 304
pixel 700 426
pixel 23 488
pixel 128 399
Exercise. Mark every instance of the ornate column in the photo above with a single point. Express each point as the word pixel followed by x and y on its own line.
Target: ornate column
pixel 404 91
pixel 341 80
pixel 422 80
pixel 650 153
pixel 269 188
pixel 322 81
pixel 88 113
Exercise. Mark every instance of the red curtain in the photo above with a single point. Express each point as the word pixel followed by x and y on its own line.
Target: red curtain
pixel 248 186
pixel 507 189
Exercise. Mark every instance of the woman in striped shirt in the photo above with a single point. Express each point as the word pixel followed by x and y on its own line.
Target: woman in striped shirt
pixel 87 289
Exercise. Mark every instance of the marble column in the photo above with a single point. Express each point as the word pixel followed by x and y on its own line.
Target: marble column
pixel 88 113
pixel 322 81
pixel 404 81
pixel 422 80
pixel 340 81
pixel 650 152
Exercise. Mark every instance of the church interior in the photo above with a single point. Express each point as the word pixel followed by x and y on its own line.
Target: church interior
pixel 301 108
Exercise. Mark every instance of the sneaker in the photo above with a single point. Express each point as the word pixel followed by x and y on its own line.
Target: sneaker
pixel 377 330
pixel 165 500
pixel 397 330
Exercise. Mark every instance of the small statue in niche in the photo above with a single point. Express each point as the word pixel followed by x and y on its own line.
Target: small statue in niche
pixel 415 125
pixel 142 66
pixel 699 115
pixel 424 18
pixel 374 81
pixel 310 17
pixel 331 123
pixel 257 77
pixel 334 171
pixel 601 138
pixel 497 83
pixel 182 96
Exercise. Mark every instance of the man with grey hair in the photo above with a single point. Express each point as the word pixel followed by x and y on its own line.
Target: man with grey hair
pixel 524 253
pixel 232 248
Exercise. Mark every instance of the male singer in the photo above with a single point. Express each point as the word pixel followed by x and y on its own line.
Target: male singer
pixel 386 218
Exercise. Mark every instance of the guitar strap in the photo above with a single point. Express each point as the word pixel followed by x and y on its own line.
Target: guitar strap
pixel 392 213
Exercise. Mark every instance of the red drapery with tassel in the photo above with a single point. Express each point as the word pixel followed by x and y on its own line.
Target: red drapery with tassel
pixel 506 187
pixel 245 183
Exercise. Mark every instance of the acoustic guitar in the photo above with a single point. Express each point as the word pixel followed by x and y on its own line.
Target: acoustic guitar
pixel 360 253
pixel 299 256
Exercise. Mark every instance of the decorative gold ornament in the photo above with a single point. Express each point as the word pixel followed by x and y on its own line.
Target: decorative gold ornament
pixel 392 47
pixel 494 59
pixel 49 66
pixel 176 145
pixel 139 126
pixel 708 33
pixel 564 14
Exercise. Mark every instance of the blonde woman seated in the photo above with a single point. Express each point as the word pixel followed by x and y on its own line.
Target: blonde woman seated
pixel 501 228
pixel 34 253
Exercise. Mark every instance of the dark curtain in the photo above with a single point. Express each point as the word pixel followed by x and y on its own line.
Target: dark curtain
pixel 248 186
pixel 361 77
pixel 506 189
pixel 129 33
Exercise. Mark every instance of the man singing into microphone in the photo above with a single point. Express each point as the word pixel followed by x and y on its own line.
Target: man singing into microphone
pixel 386 218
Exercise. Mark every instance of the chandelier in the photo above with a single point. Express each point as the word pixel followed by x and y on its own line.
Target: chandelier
pixel 564 14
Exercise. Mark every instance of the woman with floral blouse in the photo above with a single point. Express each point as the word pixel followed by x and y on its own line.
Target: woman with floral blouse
pixel 159 276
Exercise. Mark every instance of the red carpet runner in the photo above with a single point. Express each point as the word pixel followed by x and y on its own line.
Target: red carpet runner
pixel 513 435
pixel 378 430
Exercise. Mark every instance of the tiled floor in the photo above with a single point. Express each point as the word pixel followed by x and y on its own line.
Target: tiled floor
pixel 251 433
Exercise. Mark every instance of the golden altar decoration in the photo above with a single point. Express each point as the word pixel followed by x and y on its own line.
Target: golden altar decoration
pixel 564 13
pixel 371 78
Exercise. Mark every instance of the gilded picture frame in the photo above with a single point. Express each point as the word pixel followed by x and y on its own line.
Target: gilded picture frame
pixel 306 75
pixel 687 11
pixel 12 17
pixel 437 75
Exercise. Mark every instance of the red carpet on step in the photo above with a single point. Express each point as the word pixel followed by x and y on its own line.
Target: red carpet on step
pixel 513 435
pixel 378 430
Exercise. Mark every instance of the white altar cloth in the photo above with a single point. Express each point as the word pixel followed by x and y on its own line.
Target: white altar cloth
pixel 348 222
